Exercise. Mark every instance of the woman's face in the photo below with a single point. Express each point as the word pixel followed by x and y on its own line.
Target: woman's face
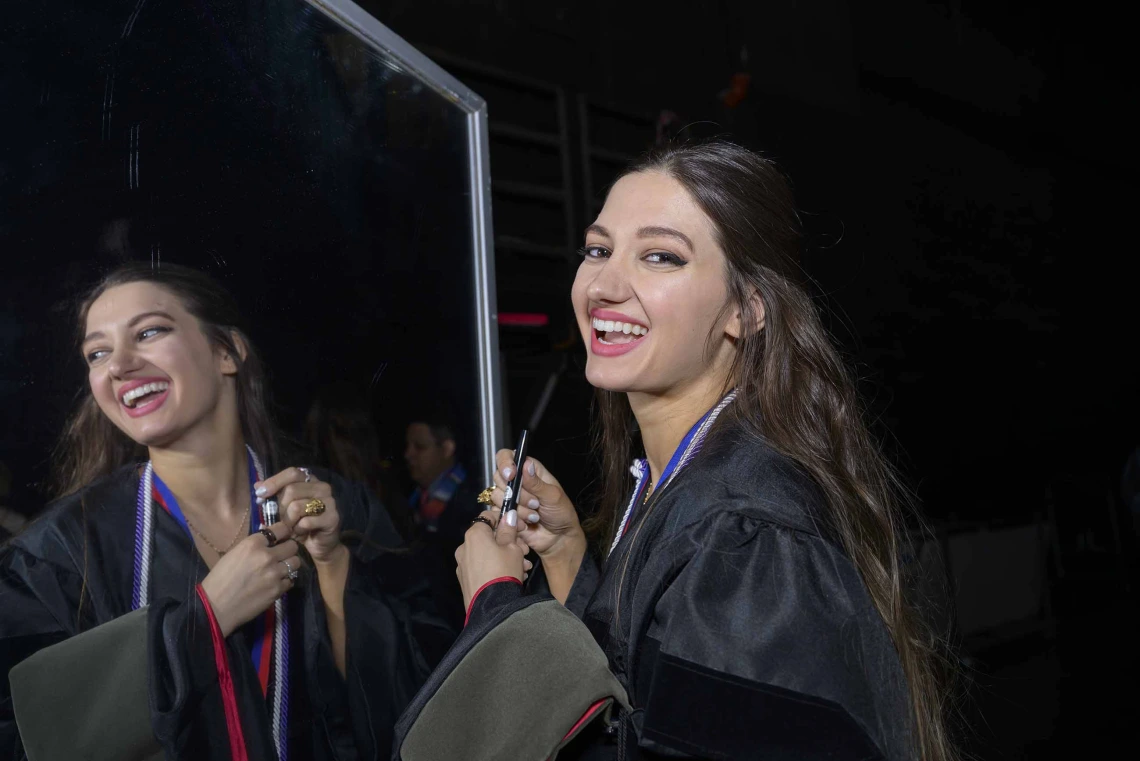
pixel 151 368
pixel 650 289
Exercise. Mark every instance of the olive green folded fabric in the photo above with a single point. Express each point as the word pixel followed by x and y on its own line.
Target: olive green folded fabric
pixel 86 697
pixel 517 693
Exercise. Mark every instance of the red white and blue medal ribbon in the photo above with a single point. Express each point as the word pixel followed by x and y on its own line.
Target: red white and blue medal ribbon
pixel 684 453
pixel 275 620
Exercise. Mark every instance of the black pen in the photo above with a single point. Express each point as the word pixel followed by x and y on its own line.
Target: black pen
pixel 514 488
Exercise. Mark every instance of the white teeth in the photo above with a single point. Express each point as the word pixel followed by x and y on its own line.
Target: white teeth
pixel 616 326
pixel 140 391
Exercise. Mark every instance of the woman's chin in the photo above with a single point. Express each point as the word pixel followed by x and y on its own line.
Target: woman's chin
pixel 150 435
pixel 608 380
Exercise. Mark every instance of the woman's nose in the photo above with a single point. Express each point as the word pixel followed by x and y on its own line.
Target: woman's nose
pixel 123 362
pixel 611 283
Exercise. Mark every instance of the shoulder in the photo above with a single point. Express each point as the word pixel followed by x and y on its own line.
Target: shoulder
pixel 740 473
pixel 57 533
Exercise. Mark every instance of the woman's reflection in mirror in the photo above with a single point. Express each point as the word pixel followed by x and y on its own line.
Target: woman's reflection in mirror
pixel 174 496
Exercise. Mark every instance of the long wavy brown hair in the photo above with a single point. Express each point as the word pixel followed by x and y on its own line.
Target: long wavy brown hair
pixel 797 394
pixel 92 446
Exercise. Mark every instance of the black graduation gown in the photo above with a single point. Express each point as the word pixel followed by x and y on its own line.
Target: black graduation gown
pixel 83 546
pixel 737 627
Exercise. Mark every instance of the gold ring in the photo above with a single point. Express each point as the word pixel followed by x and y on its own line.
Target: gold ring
pixel 484 497
pixel 314 507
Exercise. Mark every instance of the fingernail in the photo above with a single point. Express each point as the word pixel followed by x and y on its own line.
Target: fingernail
pixel 513 518
pixel 261 500
pixel 261 491
pixel 530 467
pixel 533 504
pixel 533 518
pixel 507 472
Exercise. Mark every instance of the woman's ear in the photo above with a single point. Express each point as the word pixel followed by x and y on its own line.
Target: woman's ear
pixel 229 364
pixel 747 320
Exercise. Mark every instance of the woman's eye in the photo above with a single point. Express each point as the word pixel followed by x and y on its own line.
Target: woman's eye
pixel 152 332
pixel 93 356
pixel 593 252
pixel 664 257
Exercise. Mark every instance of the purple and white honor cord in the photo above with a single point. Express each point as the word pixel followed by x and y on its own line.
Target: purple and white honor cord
pixel 140 594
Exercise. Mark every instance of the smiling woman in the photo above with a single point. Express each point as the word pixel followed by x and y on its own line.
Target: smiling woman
pixel 177 521
pixel 749 600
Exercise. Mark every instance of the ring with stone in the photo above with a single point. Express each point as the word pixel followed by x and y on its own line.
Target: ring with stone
pixel 308 474
pixel 484 497
pixel 290 572
pixel 314 507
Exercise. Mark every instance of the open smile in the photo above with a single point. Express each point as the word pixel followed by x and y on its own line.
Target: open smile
pixel 617 336
pixel 143 397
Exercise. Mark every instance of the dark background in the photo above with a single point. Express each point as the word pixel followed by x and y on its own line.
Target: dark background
pixel 965 175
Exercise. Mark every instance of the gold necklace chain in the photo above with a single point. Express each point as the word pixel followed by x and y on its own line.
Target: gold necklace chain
pixel 237 536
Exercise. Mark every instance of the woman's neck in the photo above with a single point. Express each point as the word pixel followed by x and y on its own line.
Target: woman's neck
pixel 664 419
pixel 207 477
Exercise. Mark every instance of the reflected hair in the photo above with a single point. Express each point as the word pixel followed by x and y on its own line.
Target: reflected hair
pixel 795 392
pixel 92 447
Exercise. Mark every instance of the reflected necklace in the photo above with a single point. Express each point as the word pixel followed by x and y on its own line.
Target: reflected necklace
pixel 204 538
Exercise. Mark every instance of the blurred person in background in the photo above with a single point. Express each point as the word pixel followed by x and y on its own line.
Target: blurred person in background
pixel 341 434
pixel 442 504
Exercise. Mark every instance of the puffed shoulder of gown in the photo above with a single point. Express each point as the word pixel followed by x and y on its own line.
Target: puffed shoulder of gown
pixel 82 548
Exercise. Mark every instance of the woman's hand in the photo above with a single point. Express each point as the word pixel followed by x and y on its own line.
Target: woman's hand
pixel 294 489
pixel 250 577
pixel 548 522
pixel 490 553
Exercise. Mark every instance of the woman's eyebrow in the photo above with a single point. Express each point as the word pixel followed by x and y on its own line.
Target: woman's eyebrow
pixel 654 231
pixel 651 231
pixel 134 321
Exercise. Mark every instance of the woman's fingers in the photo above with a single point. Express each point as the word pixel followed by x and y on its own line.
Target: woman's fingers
pixel 295 512
pixel 281 532
pixel 536 468
pixel 506 531
pixel 284 550
pixel 279 481
pixel 535 487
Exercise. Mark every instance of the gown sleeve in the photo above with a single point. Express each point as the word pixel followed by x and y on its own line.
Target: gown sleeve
pixel 40 593
pixel 39 601
pixel 766 645
pixel 394 635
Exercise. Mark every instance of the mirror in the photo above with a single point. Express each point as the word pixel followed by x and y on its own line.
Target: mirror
pixel 325 172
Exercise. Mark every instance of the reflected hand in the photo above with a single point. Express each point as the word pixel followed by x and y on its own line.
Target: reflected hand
pixel 250 577
pixel 294 489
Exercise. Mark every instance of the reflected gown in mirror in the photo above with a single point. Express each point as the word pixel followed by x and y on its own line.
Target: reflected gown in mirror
pixel 71 570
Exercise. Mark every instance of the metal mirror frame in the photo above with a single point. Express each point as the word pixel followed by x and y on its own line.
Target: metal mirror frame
pixel 368 29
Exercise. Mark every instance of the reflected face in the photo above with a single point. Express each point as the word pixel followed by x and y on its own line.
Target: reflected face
pixel 650 289
pixel 427 458
pixel 151 368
